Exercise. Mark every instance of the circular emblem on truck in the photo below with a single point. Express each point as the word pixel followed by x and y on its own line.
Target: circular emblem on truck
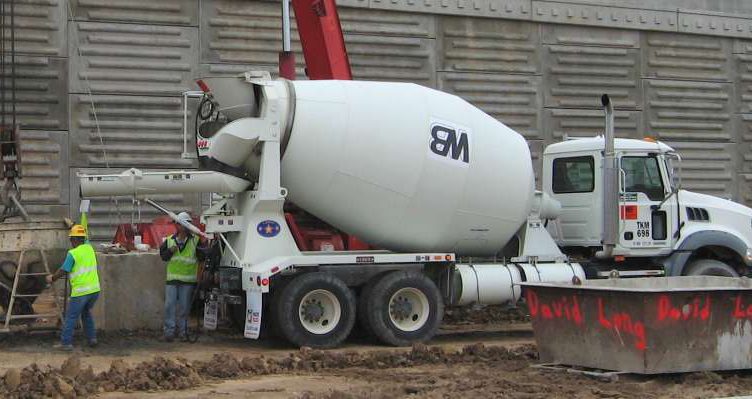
pixel 268 228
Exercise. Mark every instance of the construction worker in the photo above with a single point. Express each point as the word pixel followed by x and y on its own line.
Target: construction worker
pixel 182 254
pixel 81 266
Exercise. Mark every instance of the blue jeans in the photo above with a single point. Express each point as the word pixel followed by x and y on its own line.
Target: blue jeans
pixel 177 306
pixel 79 306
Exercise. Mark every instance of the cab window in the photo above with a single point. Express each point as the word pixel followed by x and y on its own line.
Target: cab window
pixel 642 175
pixel 573 175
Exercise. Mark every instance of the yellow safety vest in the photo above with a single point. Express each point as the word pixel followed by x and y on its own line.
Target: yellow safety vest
pixel 183 264
pixel 84 279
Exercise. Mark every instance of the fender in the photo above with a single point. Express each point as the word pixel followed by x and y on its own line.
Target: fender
pixel 675 263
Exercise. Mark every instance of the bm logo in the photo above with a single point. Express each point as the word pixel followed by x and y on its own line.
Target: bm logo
pixel 450 143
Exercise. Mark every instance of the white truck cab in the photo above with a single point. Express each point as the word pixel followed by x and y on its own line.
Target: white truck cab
pixel 661 228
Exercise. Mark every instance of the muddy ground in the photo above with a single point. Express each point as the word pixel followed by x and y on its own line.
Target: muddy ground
pixel 465 360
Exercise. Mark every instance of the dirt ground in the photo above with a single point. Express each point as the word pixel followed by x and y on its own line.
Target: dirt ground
pixel 465 360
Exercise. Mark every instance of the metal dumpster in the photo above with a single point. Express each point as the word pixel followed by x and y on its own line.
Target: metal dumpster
pixel 645 325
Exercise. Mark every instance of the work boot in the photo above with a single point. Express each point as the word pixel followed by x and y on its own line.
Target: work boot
pixel 167 338
pixel 184 338
pixel 63 347
pixel 93 343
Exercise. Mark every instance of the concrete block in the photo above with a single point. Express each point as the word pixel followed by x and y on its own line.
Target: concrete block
pixel 132 294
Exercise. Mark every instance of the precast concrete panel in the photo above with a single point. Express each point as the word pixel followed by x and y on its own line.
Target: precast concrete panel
pixel 705 23
pixel 106 213
pixel 489 46
pixel 582 64
pixel 708 167
pixel 743 75
pixel 243 32
pixel 128 131
pixel 390 46
pixel 577 76
pixel 686 57
pixel 132 59
pixel 688 110
pixel 605 16
pixel 514 100
pixel 727 6
pixel 40 27
pixel 40 83
pixel 559 122
pixel 162 12
pixel 380 45
pixel 507 9
pixel 44 164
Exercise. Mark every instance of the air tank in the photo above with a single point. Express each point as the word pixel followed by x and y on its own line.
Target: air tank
pixel 405 167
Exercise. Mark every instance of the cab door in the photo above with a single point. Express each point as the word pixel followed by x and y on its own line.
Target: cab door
pixel 645 218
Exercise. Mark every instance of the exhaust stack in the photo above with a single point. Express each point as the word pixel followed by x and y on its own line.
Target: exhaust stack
pixel 610 185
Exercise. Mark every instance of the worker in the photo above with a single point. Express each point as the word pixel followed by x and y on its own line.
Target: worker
pixel 182 252
pixel 81 267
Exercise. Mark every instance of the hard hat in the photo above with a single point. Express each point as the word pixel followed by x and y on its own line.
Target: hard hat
pixel 77 231
pixel 184 217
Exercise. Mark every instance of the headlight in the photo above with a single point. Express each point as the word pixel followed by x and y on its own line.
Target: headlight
pixel 749 255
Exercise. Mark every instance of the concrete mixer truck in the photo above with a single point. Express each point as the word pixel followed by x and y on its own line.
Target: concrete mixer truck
pixel 446 190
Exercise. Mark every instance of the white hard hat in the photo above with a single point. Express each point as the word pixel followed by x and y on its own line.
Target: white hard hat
pixel 184 217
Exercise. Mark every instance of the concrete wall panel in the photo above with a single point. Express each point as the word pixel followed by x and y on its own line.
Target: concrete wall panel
pixel 708 167
pixel 508 9
pixel 136 131
pixel 686 110
pixel 40 27
pixel 577 76
pixel 39 84
pixel 704 23
pixel 678 56
pixel 514 100
pixel 611 17
pixel 44 162
pixel 132 59
pixel 163 12
pixel 483 45
pixel 380 45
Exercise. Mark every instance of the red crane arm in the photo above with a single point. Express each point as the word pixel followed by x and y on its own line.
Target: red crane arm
pixel 321 37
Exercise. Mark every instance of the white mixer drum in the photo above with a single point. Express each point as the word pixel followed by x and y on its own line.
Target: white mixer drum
pixel 406 168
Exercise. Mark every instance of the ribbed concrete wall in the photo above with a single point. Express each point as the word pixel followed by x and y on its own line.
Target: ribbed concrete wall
pixel 681 71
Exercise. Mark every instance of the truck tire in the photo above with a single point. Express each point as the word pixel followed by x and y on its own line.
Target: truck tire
pixel 710 267
pixel 363 312
pixel 403 308
pixel 315 310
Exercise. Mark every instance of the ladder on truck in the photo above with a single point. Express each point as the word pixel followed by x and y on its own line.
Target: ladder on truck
pixel 21 272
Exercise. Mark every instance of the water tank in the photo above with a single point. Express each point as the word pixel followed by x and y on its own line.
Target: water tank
pixel 405 167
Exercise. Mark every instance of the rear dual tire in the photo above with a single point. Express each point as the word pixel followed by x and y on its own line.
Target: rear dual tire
pixel 401 308
pixel 316 310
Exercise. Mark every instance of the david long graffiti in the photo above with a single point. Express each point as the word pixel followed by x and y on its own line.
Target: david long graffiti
pixel 595 311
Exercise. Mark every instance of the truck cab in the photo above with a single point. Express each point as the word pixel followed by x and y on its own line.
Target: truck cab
pixel 662 229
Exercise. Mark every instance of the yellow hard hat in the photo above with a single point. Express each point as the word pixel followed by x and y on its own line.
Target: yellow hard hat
pixel 77 231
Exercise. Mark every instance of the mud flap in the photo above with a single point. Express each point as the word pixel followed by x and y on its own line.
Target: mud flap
pixel 210 315
pixel 253 314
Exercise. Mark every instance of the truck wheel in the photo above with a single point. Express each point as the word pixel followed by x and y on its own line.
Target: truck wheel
pixel 363 312
pixel 710 267
pixel 316 310
pixel 404 308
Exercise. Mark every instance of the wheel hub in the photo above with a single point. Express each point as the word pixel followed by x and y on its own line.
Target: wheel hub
pixel 313 311
pixel 401 308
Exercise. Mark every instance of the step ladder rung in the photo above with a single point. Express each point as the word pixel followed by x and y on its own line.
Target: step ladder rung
pixel 34 274
pixel 25 295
